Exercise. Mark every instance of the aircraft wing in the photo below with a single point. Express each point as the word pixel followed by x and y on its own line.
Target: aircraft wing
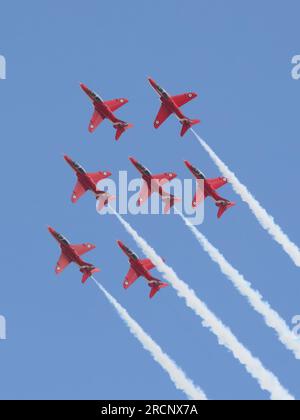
pixel 183 99
pixel 144 193
pixel 116 103
pixel 162 116
pixel 62 263
pixel 199 196
pixel 98 176
pixel 164 178
pixel 78 192
pixel 131 277
pixel 217 183
pixel 83 248
pixel 147 264
pixel 95 121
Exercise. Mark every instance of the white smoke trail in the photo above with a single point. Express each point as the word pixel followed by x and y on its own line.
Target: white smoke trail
pixel 265 220
pixel 271 317
pixel 177 376
pixel 266 379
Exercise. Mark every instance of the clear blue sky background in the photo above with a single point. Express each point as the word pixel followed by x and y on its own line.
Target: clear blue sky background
pixel 64 340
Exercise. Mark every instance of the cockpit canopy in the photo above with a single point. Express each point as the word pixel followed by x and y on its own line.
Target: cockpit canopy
pixel 62 239
pixel 79 168
pixel 144 170
pixel 95 97
pixel 131 254
pixel 162 91
pixel 198 173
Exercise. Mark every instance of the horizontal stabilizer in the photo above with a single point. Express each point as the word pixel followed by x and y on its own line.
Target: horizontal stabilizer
pixel 170 202
pixel 155 289
pixel 121 128
pixel 104 200
pixel 223 208
pixel 187 124
pixel 88 273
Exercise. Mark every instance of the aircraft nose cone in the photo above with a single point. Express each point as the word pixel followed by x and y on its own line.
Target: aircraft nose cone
pixel 151 81
pixel 189 165
pixel 84 87
pixel 132 160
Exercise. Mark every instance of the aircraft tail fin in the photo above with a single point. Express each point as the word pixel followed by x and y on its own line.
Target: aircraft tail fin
pixel 121 127
pixel 88 272
pixel 156 285
pixel 170 201
pixel 187 124
pixel 223 207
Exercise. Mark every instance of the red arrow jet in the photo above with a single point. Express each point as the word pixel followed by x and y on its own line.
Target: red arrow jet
pixel 140 268
pixel 210 187
pixel 88 182
pixel 153 184
pixel 105 109
pixel 171 105
pixel 71 254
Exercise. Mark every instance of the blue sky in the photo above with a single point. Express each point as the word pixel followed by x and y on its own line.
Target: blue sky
pixel 64 340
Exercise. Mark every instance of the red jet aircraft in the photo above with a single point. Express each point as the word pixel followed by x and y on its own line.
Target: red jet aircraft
pixel 105 109
pixel 209 190
pixel 88 182
pixel 71 254
pixel 153 184
pixel 171 105
pixel 140 268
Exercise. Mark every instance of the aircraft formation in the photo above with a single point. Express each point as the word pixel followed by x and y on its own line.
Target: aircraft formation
pixel 89 181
